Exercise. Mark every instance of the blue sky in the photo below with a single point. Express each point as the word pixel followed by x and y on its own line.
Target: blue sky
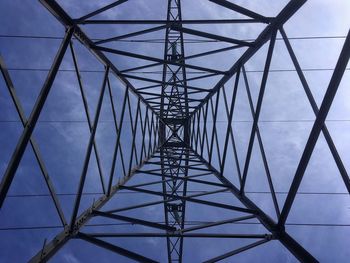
pixel 285 122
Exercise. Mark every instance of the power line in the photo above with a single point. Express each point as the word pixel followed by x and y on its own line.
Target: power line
pixel 208 121
pixel 248 192
pixel 278 121
pixel 161 41
pixel 94 71
pixel 191 223
pixel 64 121
pixel 160 72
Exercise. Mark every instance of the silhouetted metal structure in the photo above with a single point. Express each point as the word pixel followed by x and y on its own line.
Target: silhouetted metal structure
pixel 178 146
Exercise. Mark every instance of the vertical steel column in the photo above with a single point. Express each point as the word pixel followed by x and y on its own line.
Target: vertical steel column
pixel 174 113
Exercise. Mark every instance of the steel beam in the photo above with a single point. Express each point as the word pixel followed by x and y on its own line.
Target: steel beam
pixel 261 146
pixel 158 60
pixel 278 231
pixel 288 11
pixel 258 109
pixel 211 36
pixel 327 136
pixel 190 199
pixel 88 151
pixel 33 143
pixel 51 248
pixel 187 235
pixel 134 220
pixel 100 10
pixel 237 251
pixel 87 113
pixel 160 22
pixel 33 118
pixel 116 249
pixel 57 11
pixel 133 34
pixel 241 10
pixel 317 127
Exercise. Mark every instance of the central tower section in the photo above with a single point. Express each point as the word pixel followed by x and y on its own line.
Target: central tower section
pixel 174 111
pixel 174 129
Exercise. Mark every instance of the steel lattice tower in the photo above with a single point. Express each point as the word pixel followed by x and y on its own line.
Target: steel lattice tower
pixel 172 140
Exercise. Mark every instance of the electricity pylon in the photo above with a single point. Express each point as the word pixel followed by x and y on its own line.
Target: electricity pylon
pixel 178 148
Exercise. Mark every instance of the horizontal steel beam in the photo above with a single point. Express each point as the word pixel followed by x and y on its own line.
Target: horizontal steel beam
pixel 190 199
pixel 158 60
pixel 116 249
pixel 218 223
pixel 133 34
pixel 159 22
pixel 167 83
pixel 186 235
pixel 162 201
pixel 210 36
pixel 134 220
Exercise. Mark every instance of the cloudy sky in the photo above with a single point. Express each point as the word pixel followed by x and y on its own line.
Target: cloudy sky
pixel 317 34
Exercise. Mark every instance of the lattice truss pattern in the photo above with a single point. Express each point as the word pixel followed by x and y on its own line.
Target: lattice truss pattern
pixel 162 135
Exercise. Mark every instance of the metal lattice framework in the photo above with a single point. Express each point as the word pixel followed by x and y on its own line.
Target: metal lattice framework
pixel 178 146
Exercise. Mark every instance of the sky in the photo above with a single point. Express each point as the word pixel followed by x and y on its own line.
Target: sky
pixel 286 119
